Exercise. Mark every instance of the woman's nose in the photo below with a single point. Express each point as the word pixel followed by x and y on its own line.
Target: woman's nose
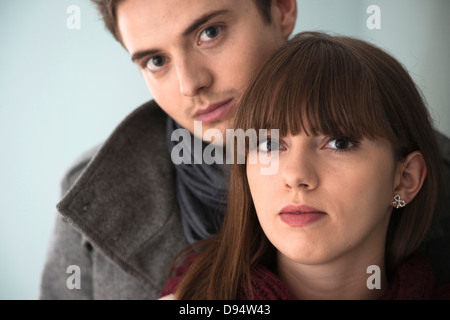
pixel 299 171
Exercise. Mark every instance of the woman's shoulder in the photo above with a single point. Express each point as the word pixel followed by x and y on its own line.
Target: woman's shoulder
pixel 422 261
pixel 265 285
pixel 168 297
pixel 442 293
pixel 415 280
pixel 173 283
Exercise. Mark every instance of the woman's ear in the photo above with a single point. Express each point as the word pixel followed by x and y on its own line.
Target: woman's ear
pixel 286 14
pixel 411 174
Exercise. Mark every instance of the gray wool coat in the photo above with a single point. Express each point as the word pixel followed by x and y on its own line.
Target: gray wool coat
pixel 118 220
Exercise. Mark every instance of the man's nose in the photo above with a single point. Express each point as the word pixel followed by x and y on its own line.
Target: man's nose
pixel 299 171
pixel 193 75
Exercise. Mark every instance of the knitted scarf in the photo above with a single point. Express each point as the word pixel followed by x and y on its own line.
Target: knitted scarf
pixel 413 280
pixel 201 189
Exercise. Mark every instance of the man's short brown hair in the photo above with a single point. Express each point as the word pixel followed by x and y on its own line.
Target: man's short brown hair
pixel 107 9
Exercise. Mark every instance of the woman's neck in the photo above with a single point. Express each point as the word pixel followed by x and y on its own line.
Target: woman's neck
pixel 344 278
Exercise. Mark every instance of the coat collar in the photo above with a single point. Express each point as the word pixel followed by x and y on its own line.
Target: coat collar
pixel 125 195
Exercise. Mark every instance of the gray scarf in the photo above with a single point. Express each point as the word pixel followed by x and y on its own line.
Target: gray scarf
pixel 201 191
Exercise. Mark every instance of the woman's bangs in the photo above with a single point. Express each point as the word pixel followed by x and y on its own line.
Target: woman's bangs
pixel 321 89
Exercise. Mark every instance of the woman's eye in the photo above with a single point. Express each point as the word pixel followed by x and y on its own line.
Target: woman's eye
pixel 209 33
pixel 155 63
pixel 341 144
pixel 269 145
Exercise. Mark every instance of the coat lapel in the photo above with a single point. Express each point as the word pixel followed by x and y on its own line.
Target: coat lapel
pixel 124 199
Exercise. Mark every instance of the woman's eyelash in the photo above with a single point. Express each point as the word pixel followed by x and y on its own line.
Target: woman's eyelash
pixel 272 142
pixel 345 144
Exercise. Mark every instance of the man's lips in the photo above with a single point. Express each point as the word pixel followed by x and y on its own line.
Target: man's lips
pixel 300 216
pixel 214 112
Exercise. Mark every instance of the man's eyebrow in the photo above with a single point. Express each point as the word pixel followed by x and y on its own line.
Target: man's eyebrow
pixel 142 53
pixel 191 28
pixel 202 20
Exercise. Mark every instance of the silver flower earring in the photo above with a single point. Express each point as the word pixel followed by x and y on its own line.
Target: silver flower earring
pixel 398 202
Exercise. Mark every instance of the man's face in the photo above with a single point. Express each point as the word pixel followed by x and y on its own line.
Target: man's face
pixel 197 56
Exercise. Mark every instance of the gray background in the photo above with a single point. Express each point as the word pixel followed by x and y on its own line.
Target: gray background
pixel 63 91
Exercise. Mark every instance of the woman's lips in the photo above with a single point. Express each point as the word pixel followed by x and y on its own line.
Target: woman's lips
pixel 300 216
pixel 214 112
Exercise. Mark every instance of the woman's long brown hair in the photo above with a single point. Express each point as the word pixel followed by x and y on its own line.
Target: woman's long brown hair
pixel 338 87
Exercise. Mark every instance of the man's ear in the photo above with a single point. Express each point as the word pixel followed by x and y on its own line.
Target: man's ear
pixel 286 15
pixel 411 174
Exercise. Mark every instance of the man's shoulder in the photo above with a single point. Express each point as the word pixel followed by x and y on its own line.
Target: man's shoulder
pixel 77 167
pixel 120 197
pixel 149 113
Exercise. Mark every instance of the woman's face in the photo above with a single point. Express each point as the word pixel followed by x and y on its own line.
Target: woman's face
pixel 330 198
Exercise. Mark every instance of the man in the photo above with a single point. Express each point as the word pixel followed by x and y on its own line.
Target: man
pixel 129 209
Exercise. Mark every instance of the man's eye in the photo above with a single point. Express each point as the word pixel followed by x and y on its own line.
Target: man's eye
pixel 155 63
pixel 209 33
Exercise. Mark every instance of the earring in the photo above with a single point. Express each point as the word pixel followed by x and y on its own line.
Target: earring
pixel 398 202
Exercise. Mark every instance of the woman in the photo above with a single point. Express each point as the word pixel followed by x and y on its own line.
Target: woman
pixel 354 194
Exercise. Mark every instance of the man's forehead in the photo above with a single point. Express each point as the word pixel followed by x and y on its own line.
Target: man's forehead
pixel 144 20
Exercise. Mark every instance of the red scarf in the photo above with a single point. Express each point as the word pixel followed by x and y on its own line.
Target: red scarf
pixel 414 280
